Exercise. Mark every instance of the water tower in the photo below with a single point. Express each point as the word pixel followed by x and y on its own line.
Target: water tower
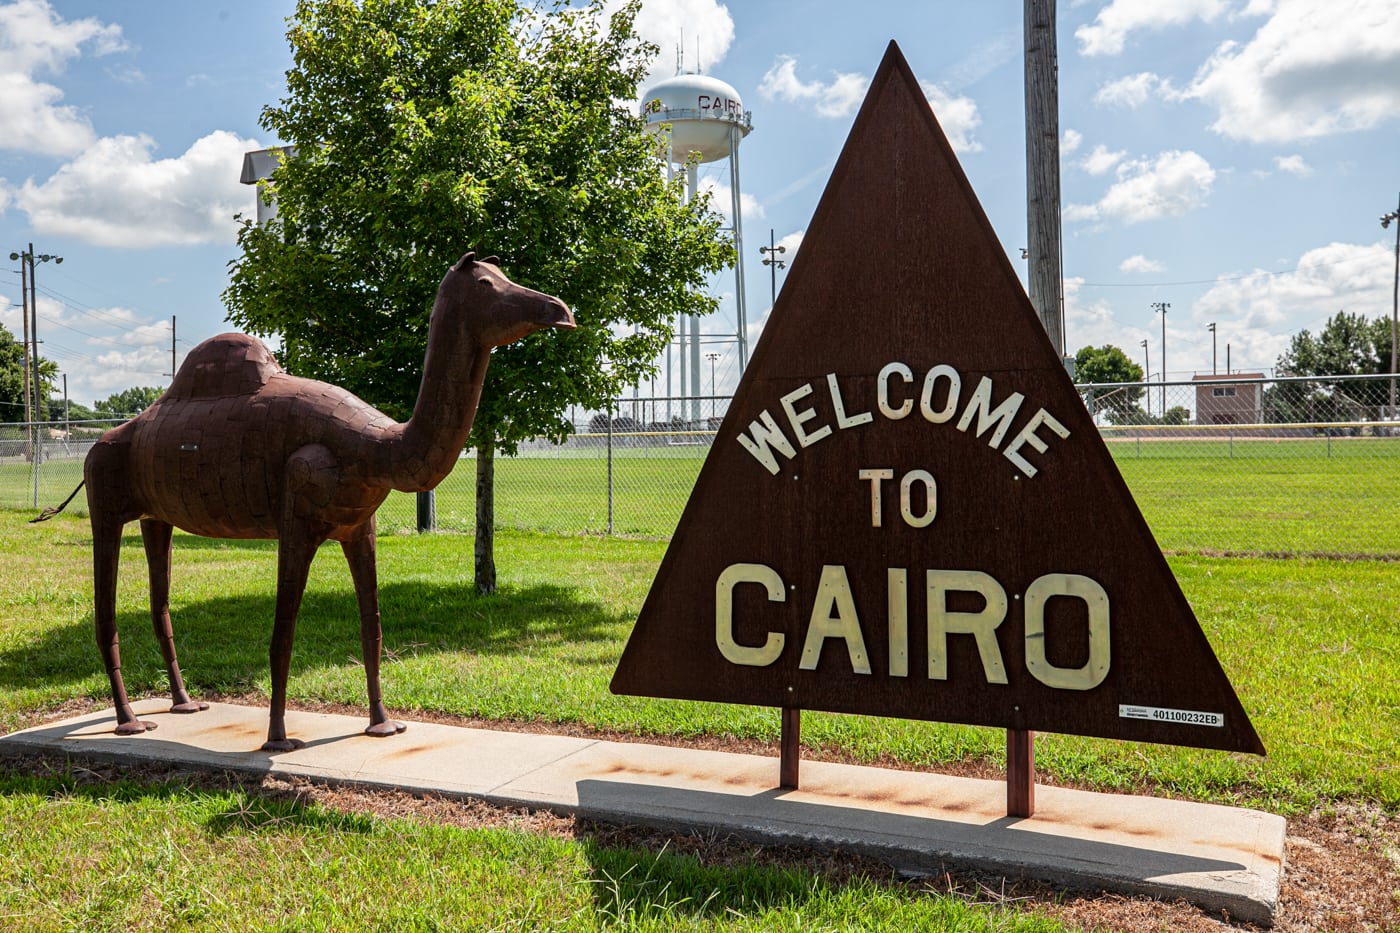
pixel 702 119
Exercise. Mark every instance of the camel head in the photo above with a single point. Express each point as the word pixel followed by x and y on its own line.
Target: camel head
pixel 493 308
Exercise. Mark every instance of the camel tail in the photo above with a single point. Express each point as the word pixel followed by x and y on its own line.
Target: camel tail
pixel 50 512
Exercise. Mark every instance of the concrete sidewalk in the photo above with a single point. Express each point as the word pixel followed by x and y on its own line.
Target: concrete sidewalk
pixel 1220 858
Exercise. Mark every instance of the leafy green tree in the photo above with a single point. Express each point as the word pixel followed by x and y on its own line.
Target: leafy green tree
pixel 1105 365
pixel 12 402
pixel 127 403
pixel 76 411
pixel 1347 345
pixel 1177 414
pixel 11 377
pixel 425 129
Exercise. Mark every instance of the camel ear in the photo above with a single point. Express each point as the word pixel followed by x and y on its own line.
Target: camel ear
pixel 467 257
pixel 493 260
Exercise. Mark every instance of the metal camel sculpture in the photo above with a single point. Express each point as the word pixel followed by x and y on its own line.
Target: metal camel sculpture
pixel 237 448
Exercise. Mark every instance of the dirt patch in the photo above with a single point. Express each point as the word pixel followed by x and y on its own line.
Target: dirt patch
pixel 1342 872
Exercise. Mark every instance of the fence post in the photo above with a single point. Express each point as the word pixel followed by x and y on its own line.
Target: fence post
pixel 610 467
pixel 427 511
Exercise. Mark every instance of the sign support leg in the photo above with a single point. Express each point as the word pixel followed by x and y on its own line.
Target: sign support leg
pixel 1020 772
pixel 789 747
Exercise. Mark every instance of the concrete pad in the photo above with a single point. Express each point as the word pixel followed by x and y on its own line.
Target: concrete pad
pixel 1220 858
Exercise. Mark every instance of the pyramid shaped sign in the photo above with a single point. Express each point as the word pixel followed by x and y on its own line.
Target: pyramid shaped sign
pixel 908 510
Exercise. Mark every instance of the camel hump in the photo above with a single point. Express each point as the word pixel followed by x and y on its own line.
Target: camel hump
pixel 229 364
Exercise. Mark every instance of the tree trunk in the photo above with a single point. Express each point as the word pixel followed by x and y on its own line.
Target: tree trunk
pixel 486 519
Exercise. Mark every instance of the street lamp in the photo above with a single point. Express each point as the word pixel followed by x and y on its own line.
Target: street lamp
pixel 1213 370
pixel 1394 301
pixel 712 357
pixel 773 263
pixel 1146 374
pixel 1162 306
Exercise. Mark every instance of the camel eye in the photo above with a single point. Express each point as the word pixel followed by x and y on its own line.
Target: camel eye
pixel 486 280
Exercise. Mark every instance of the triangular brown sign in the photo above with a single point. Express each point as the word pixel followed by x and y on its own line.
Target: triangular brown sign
pixel 908 511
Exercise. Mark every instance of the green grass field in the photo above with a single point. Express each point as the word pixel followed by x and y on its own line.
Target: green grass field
pixel 1311 646
pixel 1297 496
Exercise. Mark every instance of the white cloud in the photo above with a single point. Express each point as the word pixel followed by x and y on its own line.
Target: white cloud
pixel 792 242
pixel 1173 184
pixel 34 39
pixel 1109 31
pixel 840 97
pixel 1313 69
pixel 1133 90
pixel 1140 263
pixel 1100 160
pixel 1070 141
pixel 957 116
pixel 1094 323
pixel 116 370
pixel 722 200
pixel 836 98
pixel 1293 165
pixel 1263 310
pixel 703 28
pixel 115 194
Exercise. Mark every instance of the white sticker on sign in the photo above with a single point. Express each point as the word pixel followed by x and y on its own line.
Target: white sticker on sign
pixel 1185 717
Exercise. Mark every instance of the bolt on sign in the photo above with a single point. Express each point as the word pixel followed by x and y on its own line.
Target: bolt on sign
pixel 908 510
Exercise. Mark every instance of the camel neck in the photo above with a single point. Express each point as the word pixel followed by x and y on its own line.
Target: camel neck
pixel 432 440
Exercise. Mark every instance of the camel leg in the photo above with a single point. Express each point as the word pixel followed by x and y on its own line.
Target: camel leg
pixel 295 550
pixel 155 534
pixel 106 554
pixel 360 554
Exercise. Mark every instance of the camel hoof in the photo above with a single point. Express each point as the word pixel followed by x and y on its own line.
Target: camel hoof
pixel 193 706
pixel 283 745
pixel 135 727
pixel 386 728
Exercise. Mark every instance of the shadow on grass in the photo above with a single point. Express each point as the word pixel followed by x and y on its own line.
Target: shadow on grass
pixel 223 642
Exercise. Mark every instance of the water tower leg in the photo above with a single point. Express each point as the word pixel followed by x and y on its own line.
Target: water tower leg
pixel 740 300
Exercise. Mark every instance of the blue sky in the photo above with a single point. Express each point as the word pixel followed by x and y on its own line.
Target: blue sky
pixel 1228 157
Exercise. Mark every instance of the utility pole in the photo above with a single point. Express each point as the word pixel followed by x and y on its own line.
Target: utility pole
pixel 33 408
pixel 1046 279
pixel 172 348
pixel 1213 370
pixel 24 319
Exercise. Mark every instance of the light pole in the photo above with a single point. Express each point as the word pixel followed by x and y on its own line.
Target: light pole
pixel 1394 301
pixel 773 263
pixel 1162 306
pixel 712 357
pixel 1146 374
pixel 27 262
pixel 1213 370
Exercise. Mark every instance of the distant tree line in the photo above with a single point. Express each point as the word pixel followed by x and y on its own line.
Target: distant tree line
pixel 1347 345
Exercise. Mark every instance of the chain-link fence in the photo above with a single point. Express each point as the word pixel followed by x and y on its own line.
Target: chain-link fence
pixel 1238 464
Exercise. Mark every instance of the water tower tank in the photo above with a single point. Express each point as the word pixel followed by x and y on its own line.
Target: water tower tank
pixel 701 111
